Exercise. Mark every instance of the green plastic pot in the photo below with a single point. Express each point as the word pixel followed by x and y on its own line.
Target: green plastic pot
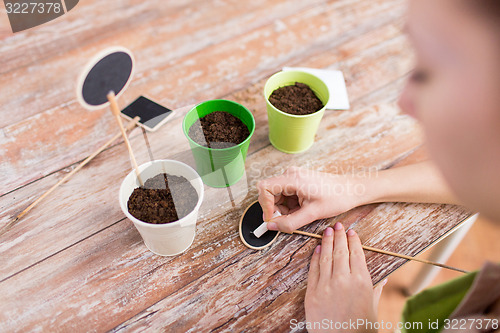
pixel 294 133
pixel 219 167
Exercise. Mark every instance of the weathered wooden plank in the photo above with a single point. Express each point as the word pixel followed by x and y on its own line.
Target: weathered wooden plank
pixel 95 202
pixel 94 299
pixel 30 143
pixel 281 293
pixel 86 267
pixel 277 284
pixel 168 141
pixel 159 35
pixel 216 256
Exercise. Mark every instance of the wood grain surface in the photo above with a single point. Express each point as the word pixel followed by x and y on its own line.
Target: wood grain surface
pixel 75 263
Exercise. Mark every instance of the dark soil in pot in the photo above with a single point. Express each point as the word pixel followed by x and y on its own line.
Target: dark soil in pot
pixel 219 130
pixel 154 203
pixel 297 99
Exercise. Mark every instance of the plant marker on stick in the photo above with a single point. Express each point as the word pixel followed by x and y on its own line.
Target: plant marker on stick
pixel 116 112
pixel 259 238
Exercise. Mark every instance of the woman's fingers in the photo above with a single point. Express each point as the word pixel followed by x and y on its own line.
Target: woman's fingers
pixel 292 221
pixel 266 201
pixel 313 276
pixel 357 259
pixel 269 195
pixel 325 260
pixel 292 202
pixel 340 251
pixel 271 192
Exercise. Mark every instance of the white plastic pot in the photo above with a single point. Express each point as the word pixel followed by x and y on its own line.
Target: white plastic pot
pixel 171 238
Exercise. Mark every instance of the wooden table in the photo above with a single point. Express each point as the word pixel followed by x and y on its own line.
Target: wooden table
pixel 75 263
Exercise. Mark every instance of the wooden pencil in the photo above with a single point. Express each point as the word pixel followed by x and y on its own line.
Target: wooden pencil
pixel 373 249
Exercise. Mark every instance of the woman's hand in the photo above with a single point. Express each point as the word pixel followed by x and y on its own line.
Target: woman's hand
pixel 303 196
pixel 339 286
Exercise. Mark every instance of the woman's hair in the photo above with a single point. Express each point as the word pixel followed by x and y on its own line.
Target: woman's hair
pixel 489 8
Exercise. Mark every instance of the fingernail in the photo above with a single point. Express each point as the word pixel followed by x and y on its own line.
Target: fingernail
pixel 317 249
pixel 384 282
pixel 328 231
pixel 351 232
pixel 338 226
pixel 272 226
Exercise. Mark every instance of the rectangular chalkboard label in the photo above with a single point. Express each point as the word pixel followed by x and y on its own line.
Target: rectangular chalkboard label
pixel 152 114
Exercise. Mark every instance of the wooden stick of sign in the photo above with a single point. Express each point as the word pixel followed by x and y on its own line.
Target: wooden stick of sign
pixel 369 248
pixel 130 126
pixel 116 112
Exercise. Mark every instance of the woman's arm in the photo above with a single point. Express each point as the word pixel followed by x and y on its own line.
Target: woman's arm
pixel 420 182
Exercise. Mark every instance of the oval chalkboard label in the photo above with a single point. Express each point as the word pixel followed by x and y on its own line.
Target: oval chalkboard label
pixel 110 70
pixel 251 220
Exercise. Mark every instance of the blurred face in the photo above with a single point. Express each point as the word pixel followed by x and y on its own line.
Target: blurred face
pixel 455 93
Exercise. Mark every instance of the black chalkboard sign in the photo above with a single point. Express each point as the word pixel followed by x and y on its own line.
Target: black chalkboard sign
pixel 251 220
pixel 152 114
pixel 110 70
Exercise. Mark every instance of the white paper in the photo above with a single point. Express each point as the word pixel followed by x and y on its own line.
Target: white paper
pixel 335 81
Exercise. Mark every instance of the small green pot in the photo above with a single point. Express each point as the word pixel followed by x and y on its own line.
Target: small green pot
pixel 294 133
pixel 219 167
